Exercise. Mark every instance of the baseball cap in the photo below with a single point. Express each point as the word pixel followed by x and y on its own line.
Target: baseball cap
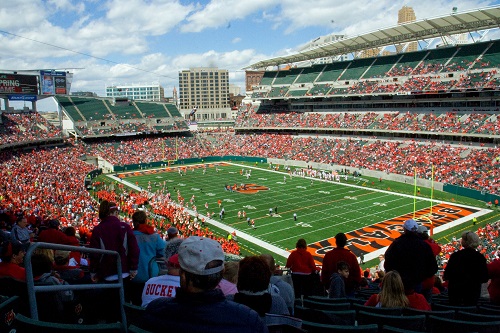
pixel 196 252
pixel 421 229
pixel 173 261
pixel 172 231
pixel 410 225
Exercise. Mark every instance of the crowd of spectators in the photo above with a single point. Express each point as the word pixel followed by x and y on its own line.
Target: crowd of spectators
pixel 489 245
pixel 26 126
pixel 477 122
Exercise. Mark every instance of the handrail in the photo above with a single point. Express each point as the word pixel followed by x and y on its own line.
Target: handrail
pixel 32 289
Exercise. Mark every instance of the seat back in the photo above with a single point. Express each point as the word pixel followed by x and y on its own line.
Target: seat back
pixel 135 329
pixel 390 329
pixel 344 317
pixel 445 325
pixel 413 312
pixel 488 310
pixel 325 299
pixel 444 314
pixel 415 323
pixel 134 314
pixel 443 307
pixel 308 303
pixel 373 309
pixel 8 309
pixel 467 316
pixel 325 328
pixel 28 325
pixel 11 287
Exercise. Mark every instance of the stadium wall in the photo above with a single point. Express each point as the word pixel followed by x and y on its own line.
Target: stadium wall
pixel 370 173
pixel 471 193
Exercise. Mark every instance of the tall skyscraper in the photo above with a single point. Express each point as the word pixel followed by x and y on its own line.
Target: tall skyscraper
pixel 407 15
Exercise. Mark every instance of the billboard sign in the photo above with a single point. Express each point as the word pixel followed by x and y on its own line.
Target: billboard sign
pixel 18 84
pixel 53 83
pixel 31 98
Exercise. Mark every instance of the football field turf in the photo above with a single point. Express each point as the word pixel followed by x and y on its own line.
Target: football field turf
pixel 370 217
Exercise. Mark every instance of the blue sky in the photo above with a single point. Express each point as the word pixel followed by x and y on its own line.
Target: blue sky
pixel 144 41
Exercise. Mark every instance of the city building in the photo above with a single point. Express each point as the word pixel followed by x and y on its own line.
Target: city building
pixel 137 92
pixel 252 79
pixel 406 15
pixel 204 93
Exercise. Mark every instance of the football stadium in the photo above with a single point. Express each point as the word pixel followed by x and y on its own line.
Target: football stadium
pixel 368 148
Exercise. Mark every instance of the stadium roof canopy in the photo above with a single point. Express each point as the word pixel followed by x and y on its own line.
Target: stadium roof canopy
pixel 457 23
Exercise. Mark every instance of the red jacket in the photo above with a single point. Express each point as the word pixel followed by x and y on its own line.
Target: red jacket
pixel 56 236
pixel 494 287
pixel 330 266
pixel 12 270
pixel 301 261
pixel 417 301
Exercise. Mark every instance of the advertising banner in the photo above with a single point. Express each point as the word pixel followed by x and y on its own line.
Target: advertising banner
pixel 30 98
pixel 53 82
pixel 18 84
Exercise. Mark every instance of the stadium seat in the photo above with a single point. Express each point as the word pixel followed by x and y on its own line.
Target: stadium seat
pixel 134 314
pixel 416 323
pixel 444 307
pixel 11 287
pixel 28 325
pixel 373 309
pixel 390 329
pixel 444 325
pixel 487 310
pixel 325 306
pixel 135 329
pixel 8 309
pixel 468 316
pixel 489 305
pixel 325 299
pixel 345 317
pixel 414 312
pixel 324 328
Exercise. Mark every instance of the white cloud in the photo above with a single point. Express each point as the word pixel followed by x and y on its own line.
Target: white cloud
pixel 218 13
pixel 150 40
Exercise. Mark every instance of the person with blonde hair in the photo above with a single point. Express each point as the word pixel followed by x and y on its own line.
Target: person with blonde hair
pixel 393 295
pixel 466 272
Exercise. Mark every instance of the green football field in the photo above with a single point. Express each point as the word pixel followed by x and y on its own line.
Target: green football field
pixel 323 208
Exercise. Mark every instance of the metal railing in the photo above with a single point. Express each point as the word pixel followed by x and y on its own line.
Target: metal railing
pixel 33 289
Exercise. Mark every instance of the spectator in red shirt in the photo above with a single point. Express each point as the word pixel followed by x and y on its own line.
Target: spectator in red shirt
pixel 338 254
pixel 302 265
pixel 53 235
pixel 12 258
pixel 494 286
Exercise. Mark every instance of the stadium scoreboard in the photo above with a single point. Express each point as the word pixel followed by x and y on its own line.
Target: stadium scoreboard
pixel 31 84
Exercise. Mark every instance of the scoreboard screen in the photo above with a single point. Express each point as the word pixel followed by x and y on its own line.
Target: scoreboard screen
pixel 18 84
pixel 53 82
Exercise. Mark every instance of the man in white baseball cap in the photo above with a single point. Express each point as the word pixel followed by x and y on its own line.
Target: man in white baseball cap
pixel 411 257
pixel 198 305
